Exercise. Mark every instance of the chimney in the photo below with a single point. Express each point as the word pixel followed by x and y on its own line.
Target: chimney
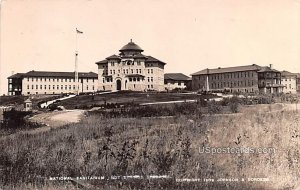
pixel 271 66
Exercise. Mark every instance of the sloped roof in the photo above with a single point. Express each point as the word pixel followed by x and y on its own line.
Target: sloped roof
pixel 131 46
pixel 113 57
pixel 267 69
pixel 15 76
pixel 176 76
pixel 140 56
pixel 28 101
pixel 287 73
pixel 102 62
pixel 152 59
pixel 228 69
pixel 58 74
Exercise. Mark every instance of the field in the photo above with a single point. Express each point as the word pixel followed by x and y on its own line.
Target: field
pixel 88 101
pixel 109 145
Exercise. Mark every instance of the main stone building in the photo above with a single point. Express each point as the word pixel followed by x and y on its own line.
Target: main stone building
pixel 131 70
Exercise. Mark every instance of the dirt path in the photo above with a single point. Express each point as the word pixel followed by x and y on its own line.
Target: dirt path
pixel 52 120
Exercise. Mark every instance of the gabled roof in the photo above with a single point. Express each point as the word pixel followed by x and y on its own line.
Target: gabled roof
pixel 228 69
pixel 113 57
pixel 17 75
pixel 176 76
pixel 28 101
pixel 152 59
pixel 102 62
pixel 57 74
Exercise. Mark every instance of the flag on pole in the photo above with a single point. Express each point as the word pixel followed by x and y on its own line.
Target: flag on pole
pixel 78 31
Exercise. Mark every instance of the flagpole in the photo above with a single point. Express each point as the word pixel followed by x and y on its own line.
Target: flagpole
pixel 76 65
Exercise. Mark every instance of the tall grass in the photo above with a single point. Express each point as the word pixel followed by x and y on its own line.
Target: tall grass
pixel 101 146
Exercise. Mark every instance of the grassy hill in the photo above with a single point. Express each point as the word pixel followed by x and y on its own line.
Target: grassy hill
pixel 104 146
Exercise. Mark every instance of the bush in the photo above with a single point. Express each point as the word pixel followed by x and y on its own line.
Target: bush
pixel 214 107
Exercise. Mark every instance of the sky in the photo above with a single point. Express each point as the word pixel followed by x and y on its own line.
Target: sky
pixel 189 35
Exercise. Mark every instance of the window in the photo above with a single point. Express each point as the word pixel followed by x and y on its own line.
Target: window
pixel 28 79
pixel 73 87
pixel 148 79
pixel 134 79
pixel 87 80
pixel 32 79
pixel 87 87
pixel 27 86
pixel 66 87
pixel 93 88
pixel 151 79
pixel 36 79
pixel 138 62
pixel 140 70
pixel 53 87
pixel 130 79
pixel 138 79
pixel 41 86
pixel 37 86
pixel 49 87
pixel 137 71
pixel 131 71
pixel 69 80
pixel 151 71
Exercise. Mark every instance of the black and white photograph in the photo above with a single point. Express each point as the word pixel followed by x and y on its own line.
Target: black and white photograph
pixel 149 94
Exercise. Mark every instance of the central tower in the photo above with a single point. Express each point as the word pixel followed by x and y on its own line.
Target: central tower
pixel 131 70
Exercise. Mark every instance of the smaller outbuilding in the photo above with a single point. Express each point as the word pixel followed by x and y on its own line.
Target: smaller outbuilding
pixel 177 81
pixel 289 80
pixel 28 105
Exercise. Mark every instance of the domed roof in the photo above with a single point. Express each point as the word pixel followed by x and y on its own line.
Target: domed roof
pixel 131 46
